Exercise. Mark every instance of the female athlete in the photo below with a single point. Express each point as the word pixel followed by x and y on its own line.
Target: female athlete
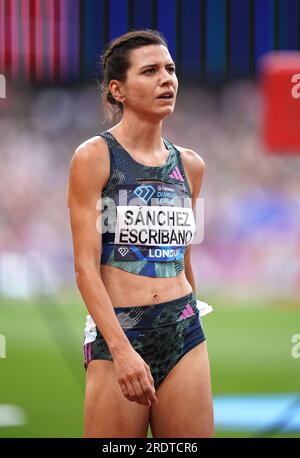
pixel 132 197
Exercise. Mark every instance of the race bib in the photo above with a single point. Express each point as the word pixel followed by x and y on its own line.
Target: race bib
pixel 155 226
pixel 153 221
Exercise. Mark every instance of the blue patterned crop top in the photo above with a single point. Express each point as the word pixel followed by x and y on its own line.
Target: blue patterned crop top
pixel 147 219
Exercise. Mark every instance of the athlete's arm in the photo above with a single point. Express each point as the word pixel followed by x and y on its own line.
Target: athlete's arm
pixel 89 172
pixel 194 167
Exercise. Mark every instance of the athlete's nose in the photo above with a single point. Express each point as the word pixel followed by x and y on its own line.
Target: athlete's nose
pixel 166 78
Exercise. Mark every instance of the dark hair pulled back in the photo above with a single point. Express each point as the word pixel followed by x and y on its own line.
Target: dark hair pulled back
pixel 115 61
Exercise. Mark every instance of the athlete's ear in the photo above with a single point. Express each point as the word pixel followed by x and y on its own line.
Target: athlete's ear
pixel 116 90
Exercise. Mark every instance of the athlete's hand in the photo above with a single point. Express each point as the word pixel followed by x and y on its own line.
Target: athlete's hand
pixel 134 377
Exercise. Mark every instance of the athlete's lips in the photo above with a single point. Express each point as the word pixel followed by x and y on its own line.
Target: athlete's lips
pixel 166 93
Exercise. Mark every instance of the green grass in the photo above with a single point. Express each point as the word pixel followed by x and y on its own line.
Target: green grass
pixel 249 347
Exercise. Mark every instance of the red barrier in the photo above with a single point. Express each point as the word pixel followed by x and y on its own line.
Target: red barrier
pixel 280 83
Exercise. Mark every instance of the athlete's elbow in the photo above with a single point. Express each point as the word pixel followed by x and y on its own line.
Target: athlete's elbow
pixel 78 276
pixel 83 271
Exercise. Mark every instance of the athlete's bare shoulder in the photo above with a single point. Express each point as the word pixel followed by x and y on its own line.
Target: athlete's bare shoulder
pixel 194 166
pixel 89 167
pixel 191 158
pixel 92 149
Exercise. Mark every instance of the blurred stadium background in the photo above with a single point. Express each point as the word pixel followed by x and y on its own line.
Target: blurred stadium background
pixel 248 266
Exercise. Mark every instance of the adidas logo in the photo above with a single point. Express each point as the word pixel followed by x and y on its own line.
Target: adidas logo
pixel 123 251
pixel 176 174
pixel 187 312
pixel 144 193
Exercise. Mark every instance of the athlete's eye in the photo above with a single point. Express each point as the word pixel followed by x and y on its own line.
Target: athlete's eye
pixel 172 69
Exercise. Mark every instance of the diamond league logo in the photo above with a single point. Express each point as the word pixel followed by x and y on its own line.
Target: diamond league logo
pixel 123 251
pixel 144 192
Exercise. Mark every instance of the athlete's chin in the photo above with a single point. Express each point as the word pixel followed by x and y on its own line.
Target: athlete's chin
pixel 167 112
pixel 163 112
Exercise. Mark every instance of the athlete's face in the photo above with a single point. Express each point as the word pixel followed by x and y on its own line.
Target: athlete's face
pixel 151 73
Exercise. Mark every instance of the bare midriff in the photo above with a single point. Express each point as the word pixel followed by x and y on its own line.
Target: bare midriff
pixel 128 290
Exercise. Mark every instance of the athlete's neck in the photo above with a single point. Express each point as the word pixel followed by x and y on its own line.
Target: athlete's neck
pixel 139 136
